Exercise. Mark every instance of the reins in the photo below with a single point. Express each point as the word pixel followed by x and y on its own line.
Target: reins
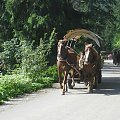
pixel 73 66
pixel 72 50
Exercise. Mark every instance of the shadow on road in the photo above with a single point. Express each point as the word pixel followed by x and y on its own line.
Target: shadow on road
pixel 109 86
pixel 110 81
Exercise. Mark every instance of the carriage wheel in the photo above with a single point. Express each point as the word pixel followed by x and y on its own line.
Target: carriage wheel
pixel 99 76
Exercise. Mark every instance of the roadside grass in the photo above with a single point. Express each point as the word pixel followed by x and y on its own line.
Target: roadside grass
pixel 14 85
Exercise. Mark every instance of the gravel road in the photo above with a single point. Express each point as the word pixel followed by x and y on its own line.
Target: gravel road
pixel 77 104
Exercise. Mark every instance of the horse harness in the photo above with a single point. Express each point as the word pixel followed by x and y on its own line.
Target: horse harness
pixel 63 57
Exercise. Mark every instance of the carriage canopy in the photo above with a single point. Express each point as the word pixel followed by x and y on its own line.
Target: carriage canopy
pixel 77 33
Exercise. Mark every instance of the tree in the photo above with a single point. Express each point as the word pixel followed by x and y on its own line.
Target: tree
pixel 31 20
pixel 116 41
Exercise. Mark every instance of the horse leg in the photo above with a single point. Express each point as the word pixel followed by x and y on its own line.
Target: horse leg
pixel 90 85
pixel 65 83
pixel 60 79
pixel 71 82
pixel 95 81
pixel 86 79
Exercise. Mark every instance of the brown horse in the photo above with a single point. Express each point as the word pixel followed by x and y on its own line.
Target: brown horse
pixel 66 61
pixel 91 67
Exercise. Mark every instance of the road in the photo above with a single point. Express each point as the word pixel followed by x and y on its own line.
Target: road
pixel 77 104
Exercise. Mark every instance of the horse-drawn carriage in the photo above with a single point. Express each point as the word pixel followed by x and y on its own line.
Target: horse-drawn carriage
pixel 84 66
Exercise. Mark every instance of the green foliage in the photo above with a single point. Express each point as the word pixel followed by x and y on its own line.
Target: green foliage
pixel 19 53
pixel 116 42
pixel 98 16
pixel 51 72
pixel 15 85
pixel 36 21
pixel 35 61
pixel 11 54
pixel 35 18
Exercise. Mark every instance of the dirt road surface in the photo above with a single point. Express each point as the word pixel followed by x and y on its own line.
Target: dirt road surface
pixel 77 104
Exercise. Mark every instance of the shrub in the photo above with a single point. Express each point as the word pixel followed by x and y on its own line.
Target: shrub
pixel 14 85
pixel 18 84
pixel 51 72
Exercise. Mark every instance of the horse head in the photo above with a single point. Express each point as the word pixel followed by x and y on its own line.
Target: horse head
pixel 62 50
pixel 89 54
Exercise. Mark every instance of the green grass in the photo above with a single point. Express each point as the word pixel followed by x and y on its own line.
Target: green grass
pixel 16 84
pixel 13 85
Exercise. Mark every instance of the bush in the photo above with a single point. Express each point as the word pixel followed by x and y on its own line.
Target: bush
pixel 51 72
pixel 14 85
pixel 17 84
